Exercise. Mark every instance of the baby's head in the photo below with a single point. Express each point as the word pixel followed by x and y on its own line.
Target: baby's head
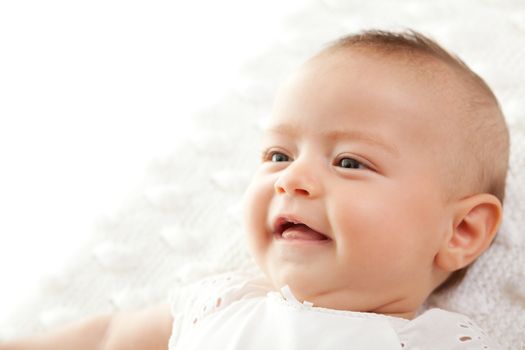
pixel 382 175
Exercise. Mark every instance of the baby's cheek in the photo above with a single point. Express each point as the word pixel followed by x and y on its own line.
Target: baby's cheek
pixel 379 233
pixel 257 201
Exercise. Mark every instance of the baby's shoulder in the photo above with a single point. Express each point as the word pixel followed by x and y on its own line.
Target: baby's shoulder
pixel 442 329
pixel 196 301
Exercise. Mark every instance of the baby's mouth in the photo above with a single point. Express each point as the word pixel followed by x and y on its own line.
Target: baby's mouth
pixel 288 229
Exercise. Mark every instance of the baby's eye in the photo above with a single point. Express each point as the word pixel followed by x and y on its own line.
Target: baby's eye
pixel 279 157
pixel 350 163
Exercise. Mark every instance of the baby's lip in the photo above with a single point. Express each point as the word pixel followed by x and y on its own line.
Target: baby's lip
pixel 282 221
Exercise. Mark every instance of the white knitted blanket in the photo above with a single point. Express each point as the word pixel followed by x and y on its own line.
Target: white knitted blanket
pixel 185 222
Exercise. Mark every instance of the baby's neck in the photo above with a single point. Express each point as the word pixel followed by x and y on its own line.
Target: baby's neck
pixel 398 308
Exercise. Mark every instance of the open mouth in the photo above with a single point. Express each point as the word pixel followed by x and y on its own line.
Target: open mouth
pixel 290 229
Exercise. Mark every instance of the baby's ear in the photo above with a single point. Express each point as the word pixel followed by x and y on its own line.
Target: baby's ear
pixel 476 220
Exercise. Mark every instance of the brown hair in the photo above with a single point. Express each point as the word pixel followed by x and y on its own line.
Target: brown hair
pixel 485 139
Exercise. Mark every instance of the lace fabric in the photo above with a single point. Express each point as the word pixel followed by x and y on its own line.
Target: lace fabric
pixel 434 329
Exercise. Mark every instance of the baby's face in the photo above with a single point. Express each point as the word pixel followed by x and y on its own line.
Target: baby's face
pixel 347 206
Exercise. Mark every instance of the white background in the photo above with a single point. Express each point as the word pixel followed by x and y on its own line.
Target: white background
pixel 89 92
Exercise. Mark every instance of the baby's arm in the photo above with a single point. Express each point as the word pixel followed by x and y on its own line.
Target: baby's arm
pixel 144 329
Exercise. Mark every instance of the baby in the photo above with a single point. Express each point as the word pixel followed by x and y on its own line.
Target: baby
pixel 381 180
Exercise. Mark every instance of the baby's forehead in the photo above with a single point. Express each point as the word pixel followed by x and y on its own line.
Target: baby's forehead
pixel 433 72
pixel 421 82
pixel 444 86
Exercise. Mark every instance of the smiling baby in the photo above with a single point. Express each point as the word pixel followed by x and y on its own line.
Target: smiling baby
pixel 381 180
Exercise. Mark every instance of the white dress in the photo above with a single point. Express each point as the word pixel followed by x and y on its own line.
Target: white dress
pixel 233 312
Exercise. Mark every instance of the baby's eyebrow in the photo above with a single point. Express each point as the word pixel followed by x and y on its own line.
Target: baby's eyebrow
pixel 338 135
pixel 371 139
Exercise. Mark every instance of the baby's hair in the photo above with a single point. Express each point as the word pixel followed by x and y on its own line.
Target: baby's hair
pixel 479 129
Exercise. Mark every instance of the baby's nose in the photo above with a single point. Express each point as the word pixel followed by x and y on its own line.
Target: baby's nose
pixel 298 191
pixel 298 180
